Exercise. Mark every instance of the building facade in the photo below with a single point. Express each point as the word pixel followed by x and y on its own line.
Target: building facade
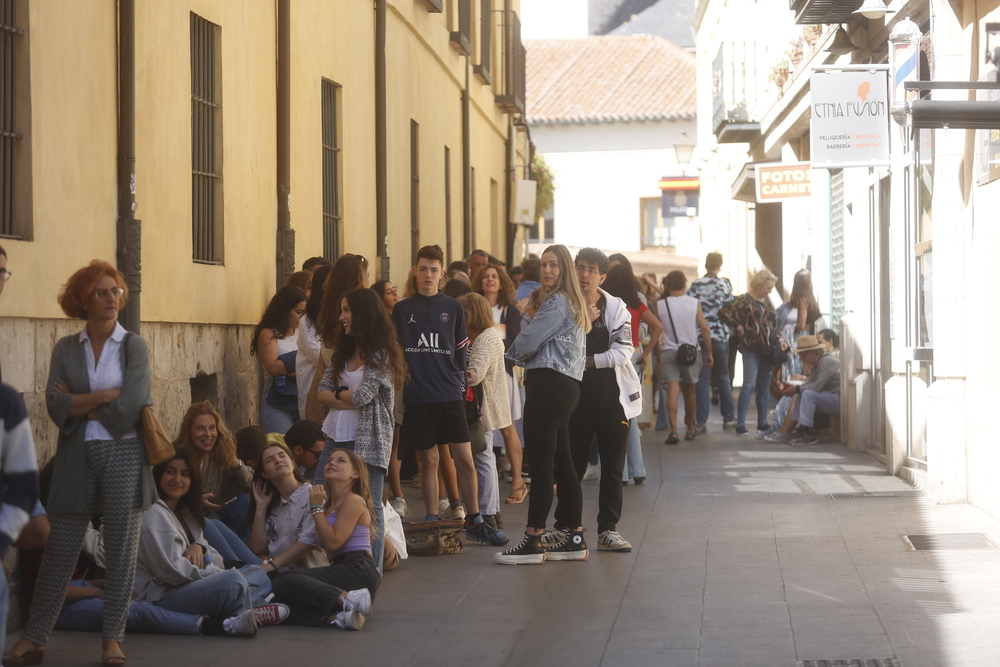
pixel 263 133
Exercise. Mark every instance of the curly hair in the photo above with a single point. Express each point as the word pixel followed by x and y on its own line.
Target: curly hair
pixel 362 486
pixel 505 296
pixel 373 336
pixel 348 273
pixel 190 501
pixel 81 285
pixel 223 453
pixel 278 314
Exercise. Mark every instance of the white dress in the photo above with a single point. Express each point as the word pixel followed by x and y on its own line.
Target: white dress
pixel 513 391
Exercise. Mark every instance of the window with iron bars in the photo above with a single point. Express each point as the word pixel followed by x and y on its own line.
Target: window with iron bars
pixel 414 189
pixel 15 119
pixel 206 141
pixel 331 170
pixel 482 68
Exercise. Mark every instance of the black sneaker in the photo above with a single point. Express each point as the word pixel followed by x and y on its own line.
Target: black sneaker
pixel 573 547
pixel 806 436
pixel 527 552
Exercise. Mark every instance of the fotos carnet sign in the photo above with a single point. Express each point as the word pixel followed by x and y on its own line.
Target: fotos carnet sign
pixel 778 182
pixel 850 118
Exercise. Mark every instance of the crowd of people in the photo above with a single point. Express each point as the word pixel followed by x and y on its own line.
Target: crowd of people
pixel 475 372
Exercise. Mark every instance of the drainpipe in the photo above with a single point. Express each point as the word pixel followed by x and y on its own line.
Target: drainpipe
pixel 381 153
pixel 129 229
pixel 509 191
pixel 285 241
pixel 466 166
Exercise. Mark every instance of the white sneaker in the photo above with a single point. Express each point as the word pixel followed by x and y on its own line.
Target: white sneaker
pixel 349 620
pixel 244 625
pixel 399 504
pixel 610 540
pixel 452 513
pixel 359 600
pixel 552 537
pixel 443 506
pixel 593 472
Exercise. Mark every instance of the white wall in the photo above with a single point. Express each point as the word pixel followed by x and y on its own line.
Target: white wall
pixel 553 19
pixel 602 170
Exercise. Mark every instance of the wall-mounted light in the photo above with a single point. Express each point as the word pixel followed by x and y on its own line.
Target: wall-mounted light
pixel 683 153
pixel 873 9
pixel 841 44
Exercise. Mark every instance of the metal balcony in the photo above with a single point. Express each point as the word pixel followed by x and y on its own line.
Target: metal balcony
pixel 734 108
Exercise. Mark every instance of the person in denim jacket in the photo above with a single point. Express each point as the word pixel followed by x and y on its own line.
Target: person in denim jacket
pixel 551 348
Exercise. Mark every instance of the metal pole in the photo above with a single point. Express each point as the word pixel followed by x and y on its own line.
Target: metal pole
pixel 466 166
pixel 381 152
pixel 129 229
pixel 285 241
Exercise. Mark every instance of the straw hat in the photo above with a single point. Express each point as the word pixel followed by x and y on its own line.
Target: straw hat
pixel 807 344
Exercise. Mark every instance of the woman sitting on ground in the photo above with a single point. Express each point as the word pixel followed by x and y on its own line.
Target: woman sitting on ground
pixel 340 594
pixel 178 570
pixel 280 526
pixel 225 480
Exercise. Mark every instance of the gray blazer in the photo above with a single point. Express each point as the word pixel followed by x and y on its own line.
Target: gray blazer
pixel 69 365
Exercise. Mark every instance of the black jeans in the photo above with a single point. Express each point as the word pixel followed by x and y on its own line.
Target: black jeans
pixel 313 594
pixel 611 430
pixel 550 399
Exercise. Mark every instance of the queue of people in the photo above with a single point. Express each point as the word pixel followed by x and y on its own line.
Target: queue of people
pixel 286 521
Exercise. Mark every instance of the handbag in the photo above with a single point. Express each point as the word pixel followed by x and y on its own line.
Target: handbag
pixel 686 354
pixel 473 413
pixel 316 411
pixel 283 392
pixel 158 446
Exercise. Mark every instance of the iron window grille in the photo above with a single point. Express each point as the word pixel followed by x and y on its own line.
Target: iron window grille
pixel 10 137
pixel 331 170
pixel 414 189
pixel 206 141
pixel 482 69
pixel 460 39
pixel 511 99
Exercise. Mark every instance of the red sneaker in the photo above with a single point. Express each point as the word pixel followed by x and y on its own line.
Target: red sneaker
pixel 271 614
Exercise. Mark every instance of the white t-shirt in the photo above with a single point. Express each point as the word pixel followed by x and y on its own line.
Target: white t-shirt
pixel 684 310
pixel 342 425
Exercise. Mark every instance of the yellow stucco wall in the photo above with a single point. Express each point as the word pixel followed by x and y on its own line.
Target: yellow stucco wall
pixel 74 136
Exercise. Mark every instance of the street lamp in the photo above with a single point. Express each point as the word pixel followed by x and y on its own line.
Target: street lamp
pixel 872 9
pixel 841 44
pixel 683 153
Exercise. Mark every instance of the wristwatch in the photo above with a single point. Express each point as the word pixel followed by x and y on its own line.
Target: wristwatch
pixel 336 394
pixel 270 561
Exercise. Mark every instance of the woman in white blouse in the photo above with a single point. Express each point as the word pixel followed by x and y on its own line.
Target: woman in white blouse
pixel 486 367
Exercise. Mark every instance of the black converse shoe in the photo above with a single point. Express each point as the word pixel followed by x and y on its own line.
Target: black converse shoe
pixel 527 552
pixel 573 547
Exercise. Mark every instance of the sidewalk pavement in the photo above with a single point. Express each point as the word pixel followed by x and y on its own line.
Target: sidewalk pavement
pixel 741 557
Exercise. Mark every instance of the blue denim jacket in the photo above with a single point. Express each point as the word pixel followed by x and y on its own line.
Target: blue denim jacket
pixel 552 339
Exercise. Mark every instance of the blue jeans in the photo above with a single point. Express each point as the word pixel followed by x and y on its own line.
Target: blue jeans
pixel 234 516
pixel 3 611
pixel 716 376
pixel 227 593
pixel 810 402
pixel 227 543
pixel 376 479
pixel 756 379
pixel 88 616
pixel 276 420
pixel 634 466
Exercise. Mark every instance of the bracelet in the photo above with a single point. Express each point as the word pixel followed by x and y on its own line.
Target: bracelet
pixel 316 510
pixel 336 394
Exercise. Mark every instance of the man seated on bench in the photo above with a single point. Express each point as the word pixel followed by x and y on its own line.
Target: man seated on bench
pixel 819 393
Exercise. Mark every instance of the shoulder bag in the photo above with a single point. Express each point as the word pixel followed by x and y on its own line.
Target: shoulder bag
pixel 158 446
pixel 686 354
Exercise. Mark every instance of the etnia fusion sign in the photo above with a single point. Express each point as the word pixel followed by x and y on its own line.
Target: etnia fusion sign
pixel 778 182
pixel 849 126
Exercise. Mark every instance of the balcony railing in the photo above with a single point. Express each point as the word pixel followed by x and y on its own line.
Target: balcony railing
pixel 511 98
pixel 461 39
pixel 734 87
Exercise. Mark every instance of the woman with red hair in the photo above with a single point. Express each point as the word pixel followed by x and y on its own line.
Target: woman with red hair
pixel 99 380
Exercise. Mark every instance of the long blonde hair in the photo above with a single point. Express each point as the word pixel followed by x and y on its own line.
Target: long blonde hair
pixel 361 486
pixel 568 285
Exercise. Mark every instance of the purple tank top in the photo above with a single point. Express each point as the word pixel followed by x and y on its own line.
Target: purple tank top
pixel 358 540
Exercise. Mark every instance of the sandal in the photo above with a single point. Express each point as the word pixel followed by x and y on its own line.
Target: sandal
pixel 113 657
pixel 672 438
pixel 30 657
pixel 518 495
pixel 415 482
pixel 690 435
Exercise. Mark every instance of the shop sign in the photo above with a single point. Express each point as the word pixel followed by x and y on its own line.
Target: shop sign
pixel 679 197
pixel 849 125
pixel 778 182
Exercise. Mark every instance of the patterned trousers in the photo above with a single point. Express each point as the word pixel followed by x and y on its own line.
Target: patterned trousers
pixel 113 475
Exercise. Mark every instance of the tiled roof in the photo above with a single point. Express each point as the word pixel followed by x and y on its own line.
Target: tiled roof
pixel 607 79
